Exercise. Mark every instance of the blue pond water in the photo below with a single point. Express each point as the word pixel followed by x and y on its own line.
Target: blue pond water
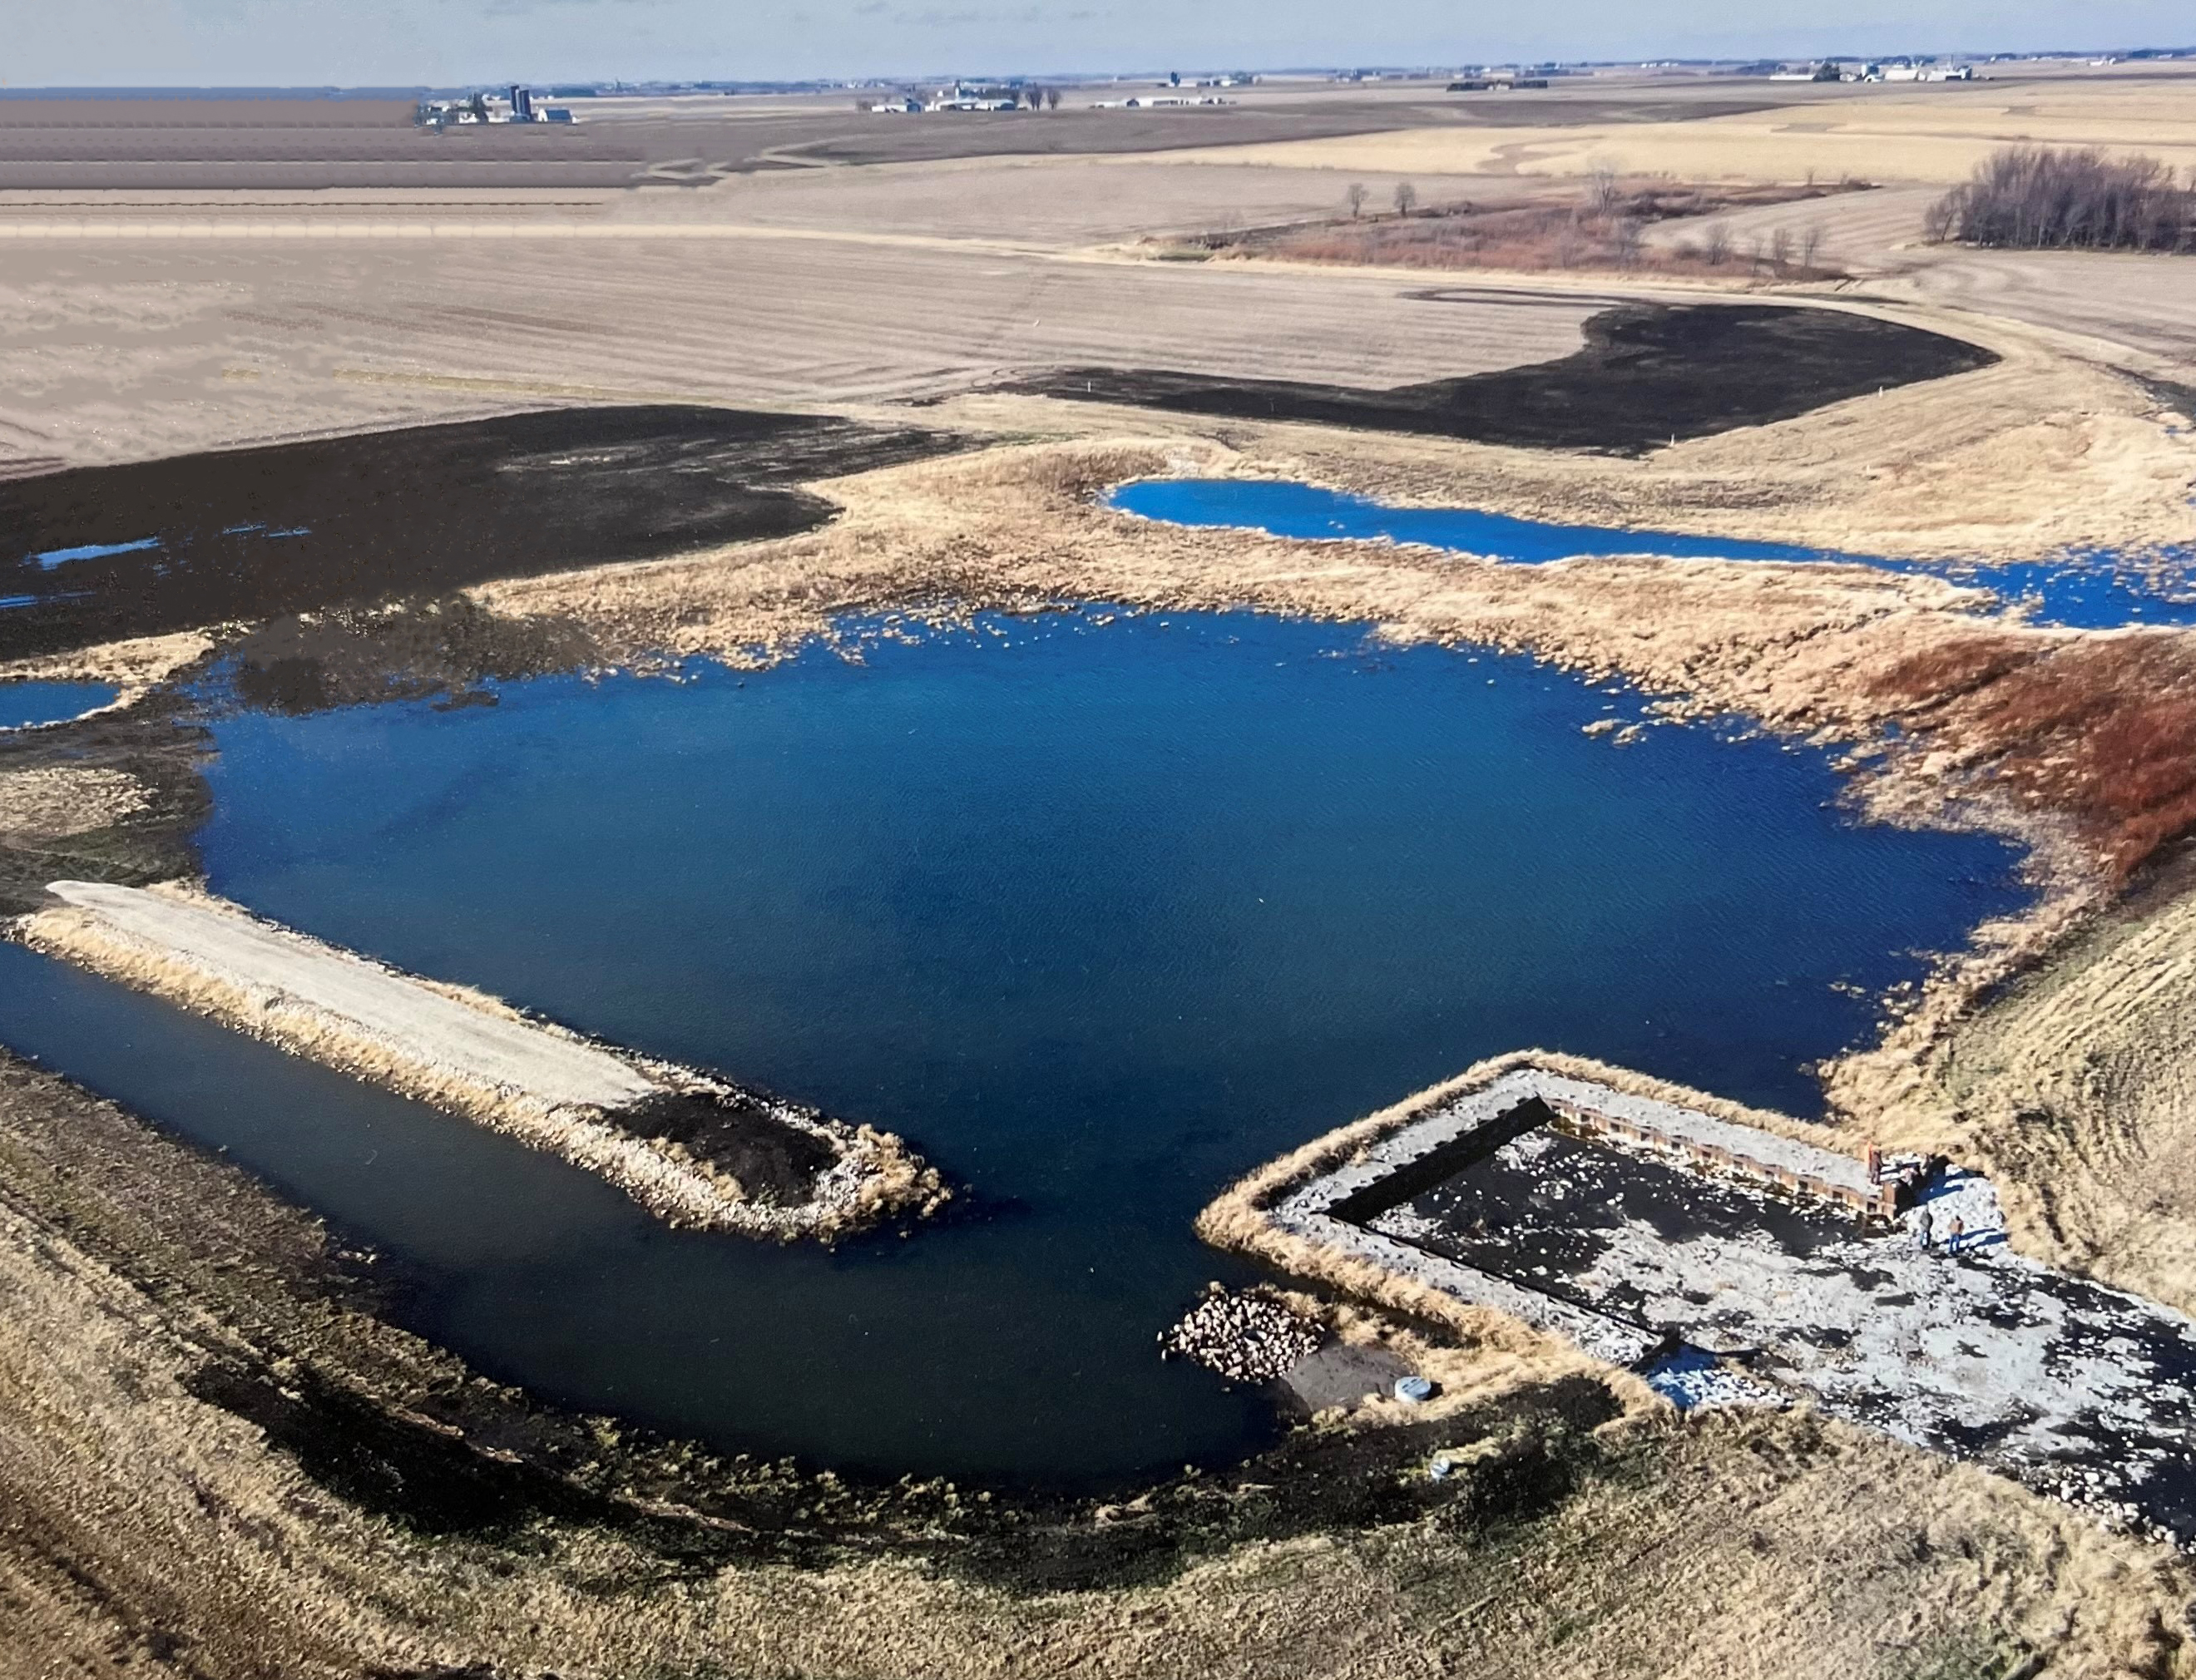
pixel 24 703
pixel 47 559
pixel 2084 590
pixel 1099 917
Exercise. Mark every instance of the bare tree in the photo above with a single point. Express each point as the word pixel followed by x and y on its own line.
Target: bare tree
pixel 2031 198
pixel 1052 99
pixel 1601 186
pixel 1034 98
pixel 1810 246
pixel 1356 198
pixel 1625 238
pixel 1407 197
pixel 1715 247
pixel 1567 242
pixel 1780 249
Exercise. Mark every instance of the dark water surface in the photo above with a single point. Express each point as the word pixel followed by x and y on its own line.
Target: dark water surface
pixel 1098 918
pixel 22 704
pixel 2089 591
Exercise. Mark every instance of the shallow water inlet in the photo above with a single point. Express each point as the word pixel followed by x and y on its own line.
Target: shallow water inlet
pixel 2091 589
pixel 25 705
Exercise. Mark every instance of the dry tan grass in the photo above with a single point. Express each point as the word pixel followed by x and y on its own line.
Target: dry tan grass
pixel 2075 1090
pixel 150 1528
pixel 1935 134
pixel 133 666
pixel 57 802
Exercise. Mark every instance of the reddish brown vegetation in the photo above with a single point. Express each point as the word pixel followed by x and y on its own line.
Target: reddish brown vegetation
pixel 1954 669
pixel 2103 729
pixel 1599 226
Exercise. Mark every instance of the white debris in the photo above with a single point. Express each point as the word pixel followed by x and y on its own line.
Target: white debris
pixel 1695 1381
pixel 1247 1338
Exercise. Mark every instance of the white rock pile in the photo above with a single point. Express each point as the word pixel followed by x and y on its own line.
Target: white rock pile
pixel 1247 1338
pixel 2088 1490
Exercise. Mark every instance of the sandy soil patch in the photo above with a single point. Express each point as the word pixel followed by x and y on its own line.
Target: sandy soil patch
pixel 55 803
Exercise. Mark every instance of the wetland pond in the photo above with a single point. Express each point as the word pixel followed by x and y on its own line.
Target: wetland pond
pixel 23 705
pixel 1099 915
pixel 2086 590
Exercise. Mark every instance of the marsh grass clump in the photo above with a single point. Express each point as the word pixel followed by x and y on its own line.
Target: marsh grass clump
pixel 1602 227
pixel 2102 729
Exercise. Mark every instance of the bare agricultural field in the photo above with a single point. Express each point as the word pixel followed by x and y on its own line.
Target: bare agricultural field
pixel 1061 202
pixel 109 144
pixel 1936 134
pixel 145 347
pixel 97 145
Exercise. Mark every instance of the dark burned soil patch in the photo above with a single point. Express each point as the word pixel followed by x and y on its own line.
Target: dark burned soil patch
pixel 1647 373
pixel 737 1134
pixel 365 655
pixel 96 554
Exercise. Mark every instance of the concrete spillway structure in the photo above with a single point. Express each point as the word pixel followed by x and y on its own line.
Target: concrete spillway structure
pixel 1665 1232
pixel 692 1150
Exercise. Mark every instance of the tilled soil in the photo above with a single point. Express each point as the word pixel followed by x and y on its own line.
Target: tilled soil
pixel 1650 374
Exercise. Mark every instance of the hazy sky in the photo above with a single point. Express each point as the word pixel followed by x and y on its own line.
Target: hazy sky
pixel 352 42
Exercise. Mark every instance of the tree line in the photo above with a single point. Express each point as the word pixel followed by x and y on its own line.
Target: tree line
pixel 2034 198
